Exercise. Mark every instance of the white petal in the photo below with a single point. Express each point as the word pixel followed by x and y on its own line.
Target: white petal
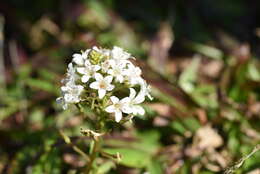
pixel 85 54
pixel 64 88
pixel 130 65
pixel 139 110
pixel 148 92
pixel 98 77
pixel 149 96
pixel 118 116
pixel 114 99
pixel 108 79
pixel 112 63
pixel 96 67
pixel 94 85
pixel 119 53
pixel 101 93
pixel 110 109
pixel 132 93
pixel 95 48
pixel 65 106
pixel 139 98
pixel 77 58
pixel 120 78
pixel 125 100
pixel 138 71
pixel 68 98
pixel 127 109
pixel 81 70
pixel 85 78
pixel 110 87
pixel 79 88
pixel 87 63
pixel 110 71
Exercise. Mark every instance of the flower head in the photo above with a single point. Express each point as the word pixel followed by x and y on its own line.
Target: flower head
pixel 105 72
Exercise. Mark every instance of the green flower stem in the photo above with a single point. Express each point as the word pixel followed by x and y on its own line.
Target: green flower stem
pixel 93 155
pixel 96 146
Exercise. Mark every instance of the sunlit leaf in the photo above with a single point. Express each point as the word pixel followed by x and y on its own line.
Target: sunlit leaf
pixel 131 157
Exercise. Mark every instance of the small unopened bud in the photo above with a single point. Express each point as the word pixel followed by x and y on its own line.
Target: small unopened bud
pixel 95 57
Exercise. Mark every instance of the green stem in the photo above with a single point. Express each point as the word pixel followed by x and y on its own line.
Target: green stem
pixel 93 155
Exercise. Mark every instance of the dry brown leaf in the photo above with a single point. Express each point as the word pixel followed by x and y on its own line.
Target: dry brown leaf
pixel 161 109
pixel 207 138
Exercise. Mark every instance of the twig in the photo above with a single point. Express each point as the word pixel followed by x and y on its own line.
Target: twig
pixel 238 164
pixel 74 147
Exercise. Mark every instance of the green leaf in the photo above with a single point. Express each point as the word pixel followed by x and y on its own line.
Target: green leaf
pixel 131 157
pixel 42 85
pixel 177 126
pixel 47 74
pixel 206 50
pixel 192 124
pixel 233 141
pixel 253 72
pixel 205 96
pixel 149 141
pixel 189 76
pixel 155 167
pixel 105 167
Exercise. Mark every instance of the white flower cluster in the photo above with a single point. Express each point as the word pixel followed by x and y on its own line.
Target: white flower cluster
pixel 105 72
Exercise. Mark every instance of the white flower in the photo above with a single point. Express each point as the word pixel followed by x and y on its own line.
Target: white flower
pixel 105 65
pixel 70 94
pixel 104 52
pixel 118 107
pixel 117 71
pixel 133 74
pixel 71 75
pixel 88 71
pixel 134 101
pixel 119 54
pixel 79 59
pixel 102 84
pixel 146 89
